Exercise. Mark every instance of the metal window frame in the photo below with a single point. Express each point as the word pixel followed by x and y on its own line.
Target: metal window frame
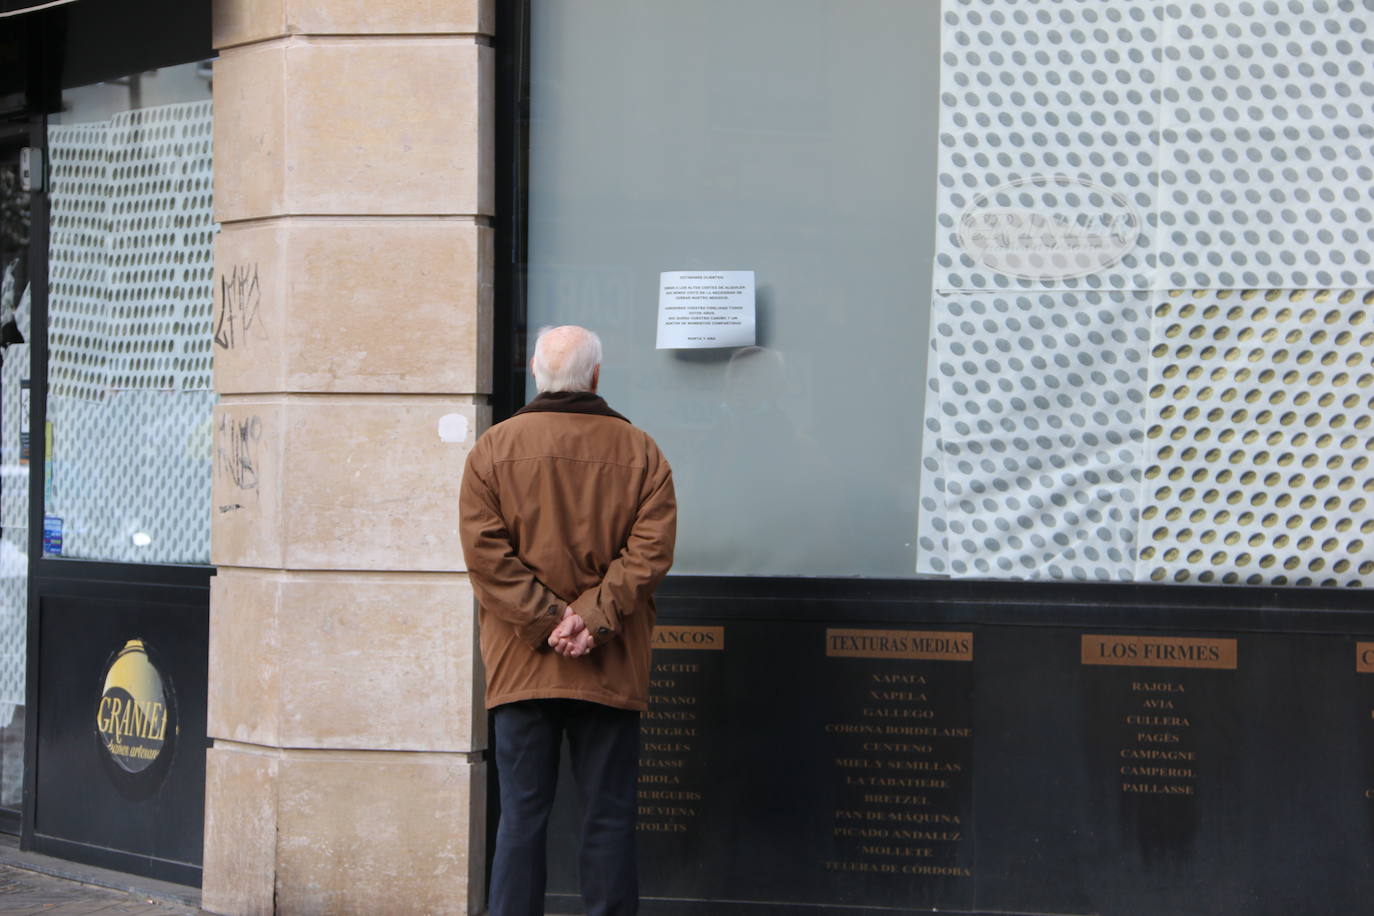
pixel 65 579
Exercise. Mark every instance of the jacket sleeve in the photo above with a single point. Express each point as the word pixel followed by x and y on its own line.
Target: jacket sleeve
pixel 631 578
pixel 504 585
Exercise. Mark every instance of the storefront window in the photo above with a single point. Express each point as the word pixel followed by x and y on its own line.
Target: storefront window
pixel 1043 290
pixel 130 265
pixel 764 145
pixel 15 300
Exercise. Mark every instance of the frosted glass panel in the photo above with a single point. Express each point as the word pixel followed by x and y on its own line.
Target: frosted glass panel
pixel 129 321
pixel 1046 290
pixel 792 139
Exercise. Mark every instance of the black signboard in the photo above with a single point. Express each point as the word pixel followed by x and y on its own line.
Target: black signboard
pixel 994 767
pixel 120 774
pixel 805 763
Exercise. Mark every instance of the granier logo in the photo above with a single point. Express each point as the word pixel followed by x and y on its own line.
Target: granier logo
pixel 134 715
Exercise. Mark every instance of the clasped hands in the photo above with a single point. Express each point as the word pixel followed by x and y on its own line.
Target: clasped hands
pixel 571 638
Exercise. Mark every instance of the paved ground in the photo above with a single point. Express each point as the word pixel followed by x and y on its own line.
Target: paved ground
pixel 28 892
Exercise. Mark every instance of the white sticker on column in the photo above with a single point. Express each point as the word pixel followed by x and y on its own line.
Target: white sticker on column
pixel 453 427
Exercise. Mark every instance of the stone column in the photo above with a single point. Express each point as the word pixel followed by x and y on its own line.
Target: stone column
pixel 353 185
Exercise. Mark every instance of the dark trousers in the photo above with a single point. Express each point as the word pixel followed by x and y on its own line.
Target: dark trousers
pixel 604 746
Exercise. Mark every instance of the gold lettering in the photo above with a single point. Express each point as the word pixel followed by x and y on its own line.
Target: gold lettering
pixel 1157 687
pixel 1158 651
pixel 673 637
pixel 897 851
pixel 908 644
pixel 1160 721
pixel 1156 738
pixel 896 696
pixel 1143 788
pixel 916 680
pixel 117 718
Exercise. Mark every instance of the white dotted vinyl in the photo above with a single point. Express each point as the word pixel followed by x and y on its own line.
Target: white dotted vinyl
pixel 1039 89
pixel 136 463
pixel 14 508
pixel 161 254
pixel 14 577
pixel 1268 135
pixel 14 485
pixel 130 252
pixel 1259 432
pixel 1038 432
pixel 130 332
pixel 932 530
pixel 78 260
pixel 1242 134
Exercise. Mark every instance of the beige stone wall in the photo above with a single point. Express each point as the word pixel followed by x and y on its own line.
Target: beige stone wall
pixel 353 184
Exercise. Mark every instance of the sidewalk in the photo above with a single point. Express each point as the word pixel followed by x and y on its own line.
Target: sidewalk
pixel 25 892
pixel 31 884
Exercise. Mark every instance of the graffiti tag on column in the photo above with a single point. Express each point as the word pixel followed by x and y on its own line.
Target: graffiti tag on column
pixel 240 299
pixel 236 450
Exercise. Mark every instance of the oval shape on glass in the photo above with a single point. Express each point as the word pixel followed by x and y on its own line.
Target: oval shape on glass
pixel 1049 227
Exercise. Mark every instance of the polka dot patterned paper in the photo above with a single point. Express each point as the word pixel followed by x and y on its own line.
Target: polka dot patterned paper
pixel 1267 168
pixel 130 397
pixel 1038 432
pixel 1235 449
pixel 131 252
pixel 1241 132
pixel 1259 432
pixel 1035 90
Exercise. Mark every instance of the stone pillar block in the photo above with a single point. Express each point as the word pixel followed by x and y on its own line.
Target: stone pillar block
pixel 344 833
pixel 357 17
pixel 240 831
pixel 245 702
pixel 246 486
pixel 341 482
pixel 394 127
pixel 354 181
pixel 399 306
pixel 239 22
pixel 250 132
pixel 344 660
pixel 371 833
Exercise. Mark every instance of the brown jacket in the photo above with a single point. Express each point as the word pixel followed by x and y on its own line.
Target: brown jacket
pixel 563 504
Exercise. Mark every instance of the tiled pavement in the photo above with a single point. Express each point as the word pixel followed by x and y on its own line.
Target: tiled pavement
pixel 29 892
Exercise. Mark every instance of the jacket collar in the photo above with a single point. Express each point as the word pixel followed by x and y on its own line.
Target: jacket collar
pixel 569 402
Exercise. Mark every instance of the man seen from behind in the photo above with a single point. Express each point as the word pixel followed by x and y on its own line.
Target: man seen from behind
pixel 568 520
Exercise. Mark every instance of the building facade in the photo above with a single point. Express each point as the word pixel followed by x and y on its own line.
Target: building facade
pixel 1013 358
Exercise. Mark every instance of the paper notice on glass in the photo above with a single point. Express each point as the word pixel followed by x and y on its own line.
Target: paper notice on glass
pixel 705 308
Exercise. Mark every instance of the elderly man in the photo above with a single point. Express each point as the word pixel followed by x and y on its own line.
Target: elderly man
pixel 568 520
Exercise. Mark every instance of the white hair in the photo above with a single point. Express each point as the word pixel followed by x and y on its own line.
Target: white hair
pixel 565 358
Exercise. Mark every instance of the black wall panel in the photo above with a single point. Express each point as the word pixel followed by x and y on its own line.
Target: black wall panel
pixel 86 807
pixel 1222 769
